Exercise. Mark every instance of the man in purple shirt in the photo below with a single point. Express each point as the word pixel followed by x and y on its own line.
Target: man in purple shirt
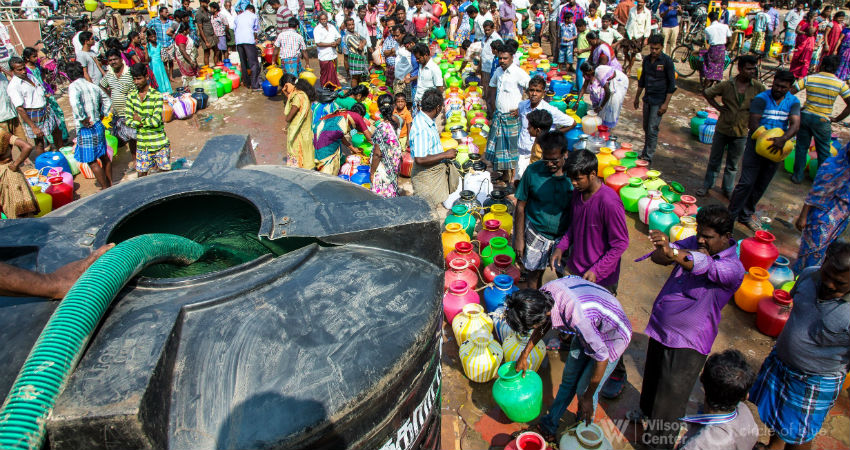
pixel 597 238
pixel 602 333
pixel 507 14
pixel 684 318
pixel 597 234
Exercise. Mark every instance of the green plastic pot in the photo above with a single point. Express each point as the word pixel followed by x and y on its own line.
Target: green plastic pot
pixel 632 193
pixel 672 192
pixel 630 160
pixel 663 218
pixel 653 181
pixel 460 215
pixel 520 397
pixel 498 246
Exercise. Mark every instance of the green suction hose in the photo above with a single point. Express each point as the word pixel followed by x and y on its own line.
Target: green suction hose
pixel 61 343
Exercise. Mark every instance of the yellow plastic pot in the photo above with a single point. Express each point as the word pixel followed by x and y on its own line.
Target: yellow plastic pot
pixel 274 74
pixel 763 143
pixel 307 75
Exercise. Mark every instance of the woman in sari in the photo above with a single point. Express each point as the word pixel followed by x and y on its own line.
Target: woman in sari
pixel 464 27
pixel 163 83
pixel 299 117
pixel 601 53
pixel 333 137
pixel 454 16
pixel 32 64
pixel 135 49
pixel 187 54
pixel 386 152
pixel 608 87
pixel 805 46
pixel 835 34
pixel 844 54
pixel 825 211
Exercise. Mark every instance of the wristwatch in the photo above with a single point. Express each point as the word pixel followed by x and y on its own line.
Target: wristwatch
pixel 675 251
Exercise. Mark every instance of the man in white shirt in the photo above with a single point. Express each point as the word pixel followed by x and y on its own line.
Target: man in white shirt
pixel 405 79
pixel 432 178
pixel 30 100
pixel 521 15
pixel 637 30
pixel 792 19
pixel 429 75
pixel 245 31
pixel 487 57
pixel 509 82
pixel 478 26
pixel 560 121
pixel 327 38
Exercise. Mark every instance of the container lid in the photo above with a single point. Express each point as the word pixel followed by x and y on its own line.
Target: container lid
pixel 761 235
pixel 492 224
pixel 466 195
pixel 503 281
pixel 458 210
pixel 497 194
pixel 666 207
pixel 702 114
pixel 635 181
pixel 459 263
pixel 781 296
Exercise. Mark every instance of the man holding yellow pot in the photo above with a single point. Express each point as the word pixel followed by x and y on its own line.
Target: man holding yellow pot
pixel 775 108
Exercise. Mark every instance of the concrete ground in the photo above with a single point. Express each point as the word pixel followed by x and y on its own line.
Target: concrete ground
pixel 470 418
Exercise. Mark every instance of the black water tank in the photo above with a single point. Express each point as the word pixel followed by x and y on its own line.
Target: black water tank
pixel 330 341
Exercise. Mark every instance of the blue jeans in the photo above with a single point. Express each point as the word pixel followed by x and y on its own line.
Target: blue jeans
pixel 579 75
pixel 811 126
pixel 576 377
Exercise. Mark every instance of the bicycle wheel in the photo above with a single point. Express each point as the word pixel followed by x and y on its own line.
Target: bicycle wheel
pixel 682 61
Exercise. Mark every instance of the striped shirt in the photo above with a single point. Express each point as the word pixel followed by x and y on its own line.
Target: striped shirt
pixel 424 137
pixel 821 91
pixel 88 102
pixel 773 114
pixel 119 87
pixel 290 43
pixel 593 314
pixel 687 310
pixel 150 131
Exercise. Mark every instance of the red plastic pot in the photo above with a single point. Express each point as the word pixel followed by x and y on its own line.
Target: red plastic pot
pixel 618 179
pixel 492 228
pixel 759 251
pixel 502 265
pixel 463 250
pixel 773 312
pixel 61 193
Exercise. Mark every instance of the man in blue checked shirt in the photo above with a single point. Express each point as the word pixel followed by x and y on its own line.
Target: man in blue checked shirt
pixel 432 178
pixel 165 29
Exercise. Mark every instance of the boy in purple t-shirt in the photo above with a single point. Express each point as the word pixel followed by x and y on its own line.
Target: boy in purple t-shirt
pixel 597 234
pixel 596 239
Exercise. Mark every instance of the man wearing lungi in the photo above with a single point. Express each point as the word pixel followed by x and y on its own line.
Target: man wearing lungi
pixel 30 100
pixel 543 208
pixel 509 82
pixel 90 104
pixel 327 39
pixel 801 378
pixel 433 178
pixel 291 48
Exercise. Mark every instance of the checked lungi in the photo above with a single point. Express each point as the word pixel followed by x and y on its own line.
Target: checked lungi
pixel 792 403
pixel 91 143
pixel 357 64
pixel 291 65
pixel 538 249
pixel 42 118
pixel 503 140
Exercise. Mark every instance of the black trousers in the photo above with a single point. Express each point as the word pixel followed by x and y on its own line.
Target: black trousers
pixel 249 59
pixel 756 175
pixel 668 378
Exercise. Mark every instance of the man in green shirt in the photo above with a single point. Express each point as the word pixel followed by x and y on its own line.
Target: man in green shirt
pixel 144 113
pixel 582 51
pixel 730 133
pixel 542 210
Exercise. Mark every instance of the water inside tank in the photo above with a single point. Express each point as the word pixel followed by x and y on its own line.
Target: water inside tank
pixel 227 225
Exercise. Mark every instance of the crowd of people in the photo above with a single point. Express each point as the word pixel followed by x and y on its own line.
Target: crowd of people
pixel 566 219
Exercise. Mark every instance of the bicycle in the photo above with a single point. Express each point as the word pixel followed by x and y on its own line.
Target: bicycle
pixel 763 71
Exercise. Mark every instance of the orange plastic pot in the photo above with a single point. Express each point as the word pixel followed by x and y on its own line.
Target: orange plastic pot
pixel 755 287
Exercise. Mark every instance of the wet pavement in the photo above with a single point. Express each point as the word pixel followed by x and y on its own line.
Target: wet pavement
pixel 470 418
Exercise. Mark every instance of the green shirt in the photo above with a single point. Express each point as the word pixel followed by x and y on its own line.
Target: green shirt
pixel 735 122
pixel 581 42
pixel 547 198
pixel 150 131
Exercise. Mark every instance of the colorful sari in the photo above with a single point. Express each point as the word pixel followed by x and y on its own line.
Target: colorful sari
pixel 163 83
pixel 844 53
pixel 829 210
pixel 186 66
pixel 604 49
pixel 805 48
pixel 714 62
pixel 299 134
pixel 833 36
pixel 386 174
pixel 51 101
pixel 328 142
pixel 618 85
